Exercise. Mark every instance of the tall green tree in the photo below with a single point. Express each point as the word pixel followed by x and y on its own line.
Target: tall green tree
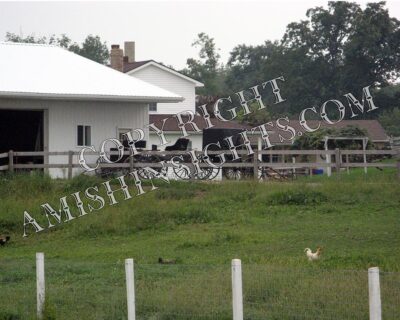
pixel 371 53
pixel 207 68
pixel 247 64
pixel 92 48
pixel 321 40
pixel 348 47
pixel 334 50
pixel 251 65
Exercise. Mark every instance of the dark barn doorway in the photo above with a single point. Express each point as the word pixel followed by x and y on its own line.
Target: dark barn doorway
pixel 21 130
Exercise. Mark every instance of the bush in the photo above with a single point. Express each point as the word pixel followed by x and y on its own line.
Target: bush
pixel 25 183
pixel 297 197
pixel 81 183
pixel 193 215
pixel 9 316
pixel 174 194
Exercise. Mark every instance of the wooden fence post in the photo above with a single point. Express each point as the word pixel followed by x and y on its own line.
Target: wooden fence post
pixel 11 161
pixel 337 160
pixel 70 162
pixel 131 163
pixel 255 165
pixel 375 312
pixel 237 294
pixel 130 289
pixel 365 155
pixel 329 162
pixel 40 284
pixel 294 168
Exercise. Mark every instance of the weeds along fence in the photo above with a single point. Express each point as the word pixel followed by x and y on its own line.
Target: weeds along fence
pixel 292 160
pixel 124 290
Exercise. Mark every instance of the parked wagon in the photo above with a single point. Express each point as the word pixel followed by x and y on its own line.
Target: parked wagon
pixel 237 172
pixel 183 167
pixel 217 136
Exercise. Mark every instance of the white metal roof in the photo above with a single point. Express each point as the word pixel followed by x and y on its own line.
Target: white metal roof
pixel 46 71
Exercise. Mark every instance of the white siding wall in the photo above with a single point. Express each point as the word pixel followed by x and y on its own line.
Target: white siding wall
pixel 170 82
pixel 64 116
pixel 104 119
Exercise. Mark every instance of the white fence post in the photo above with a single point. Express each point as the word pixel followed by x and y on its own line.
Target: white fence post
pixel 375 312
pixel 130 288
pixel 329 163
pixel 40 284
pixel 237 298
pixel 294 168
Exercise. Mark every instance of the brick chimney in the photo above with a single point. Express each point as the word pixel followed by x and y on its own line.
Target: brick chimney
pixel 129 48
pixel 116 58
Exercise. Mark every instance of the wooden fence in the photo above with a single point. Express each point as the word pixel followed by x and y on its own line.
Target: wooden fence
pixel 287 160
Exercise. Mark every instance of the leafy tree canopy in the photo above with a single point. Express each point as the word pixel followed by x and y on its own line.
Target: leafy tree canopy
pixel 390 120
pixel 92 48
pixel 207 68
pixel 333 51
pixel 315 140
pixel 257 115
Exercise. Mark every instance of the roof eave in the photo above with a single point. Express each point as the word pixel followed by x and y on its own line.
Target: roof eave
pixel 89 97
pixel 196 83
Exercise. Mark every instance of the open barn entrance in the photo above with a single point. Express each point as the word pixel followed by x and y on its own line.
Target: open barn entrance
pixel 22 130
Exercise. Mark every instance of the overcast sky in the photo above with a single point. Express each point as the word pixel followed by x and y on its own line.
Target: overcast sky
pixel 163 31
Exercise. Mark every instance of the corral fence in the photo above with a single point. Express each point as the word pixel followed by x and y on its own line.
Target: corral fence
pixel 295 161
pixel 125 290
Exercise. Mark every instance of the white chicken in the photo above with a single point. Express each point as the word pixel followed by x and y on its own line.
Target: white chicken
pixel 313 255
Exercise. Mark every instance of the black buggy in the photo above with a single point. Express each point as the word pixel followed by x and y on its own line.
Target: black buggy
pixel 183 168
pixel 238 172
pixel 217 136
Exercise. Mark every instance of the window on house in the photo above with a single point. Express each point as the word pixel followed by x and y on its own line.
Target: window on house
pixel 153 107
pixel 84 136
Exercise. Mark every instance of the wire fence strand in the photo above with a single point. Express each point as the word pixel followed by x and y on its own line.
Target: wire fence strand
pixel 89 290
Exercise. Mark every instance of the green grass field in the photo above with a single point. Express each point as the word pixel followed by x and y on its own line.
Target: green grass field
pixel 355 218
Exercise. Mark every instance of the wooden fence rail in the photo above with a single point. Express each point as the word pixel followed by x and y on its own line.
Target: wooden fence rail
pixel 287 160
pixel 266 152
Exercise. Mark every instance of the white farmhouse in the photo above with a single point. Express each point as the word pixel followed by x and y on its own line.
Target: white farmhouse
pixel 54 100
pixel 157 74
pixel 164 77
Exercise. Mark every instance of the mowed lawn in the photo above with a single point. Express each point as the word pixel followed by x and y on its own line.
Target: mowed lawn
pixel 355 218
